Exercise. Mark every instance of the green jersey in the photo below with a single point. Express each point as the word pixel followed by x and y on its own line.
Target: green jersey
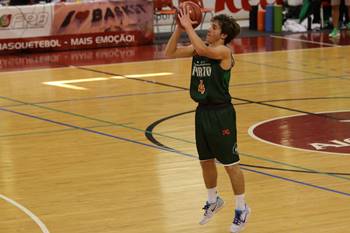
pixel 209 82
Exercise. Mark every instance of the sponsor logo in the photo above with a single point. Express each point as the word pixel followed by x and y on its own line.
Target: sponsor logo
pixel 25 20
pixel 225 132
pixel 5 20
pixel 201 87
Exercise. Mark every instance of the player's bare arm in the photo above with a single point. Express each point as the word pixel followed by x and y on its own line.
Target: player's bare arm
pixel 173 50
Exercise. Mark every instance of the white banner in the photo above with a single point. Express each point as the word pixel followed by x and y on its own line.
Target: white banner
pixel 25 21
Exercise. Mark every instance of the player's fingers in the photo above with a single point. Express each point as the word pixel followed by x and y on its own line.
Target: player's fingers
pixel 181 11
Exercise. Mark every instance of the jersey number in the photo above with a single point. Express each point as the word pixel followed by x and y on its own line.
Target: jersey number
pixel 201 87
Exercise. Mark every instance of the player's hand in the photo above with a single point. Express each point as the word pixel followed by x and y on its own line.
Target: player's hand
pixel 184 17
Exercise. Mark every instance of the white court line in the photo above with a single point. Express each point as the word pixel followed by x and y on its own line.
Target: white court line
pixel 28 212
pixel 66 83
pixel 306 41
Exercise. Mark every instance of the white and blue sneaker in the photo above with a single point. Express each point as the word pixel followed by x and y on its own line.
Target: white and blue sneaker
pixel 210 209
pixel 240 219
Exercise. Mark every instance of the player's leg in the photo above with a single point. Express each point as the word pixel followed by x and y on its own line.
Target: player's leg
pixel 242 210
pixel 224 141
pixel 335 18
pixel 207 161
pixel 347 3
pixel 214 202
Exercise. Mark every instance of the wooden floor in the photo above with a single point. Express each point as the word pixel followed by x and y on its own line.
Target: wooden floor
pixel 113 150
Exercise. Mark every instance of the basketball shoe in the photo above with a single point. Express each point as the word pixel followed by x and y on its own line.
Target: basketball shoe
pixel 241 218
pixel 335 33
pixel 348 26
pixel 210 209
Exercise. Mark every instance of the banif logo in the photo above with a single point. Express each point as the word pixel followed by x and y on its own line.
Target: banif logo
pixel 29 20
pixel 5 20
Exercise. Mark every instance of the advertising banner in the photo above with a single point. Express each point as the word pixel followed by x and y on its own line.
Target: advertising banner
pixel 78 26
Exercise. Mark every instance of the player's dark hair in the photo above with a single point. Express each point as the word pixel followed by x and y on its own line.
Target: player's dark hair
pixel 229 26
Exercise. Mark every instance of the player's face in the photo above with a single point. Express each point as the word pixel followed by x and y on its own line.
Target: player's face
pixel 214 32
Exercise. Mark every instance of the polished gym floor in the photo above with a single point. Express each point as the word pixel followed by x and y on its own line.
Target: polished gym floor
pixel 102 141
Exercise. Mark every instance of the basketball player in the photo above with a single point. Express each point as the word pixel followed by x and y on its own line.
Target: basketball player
pixel 335 17
pixel 215 120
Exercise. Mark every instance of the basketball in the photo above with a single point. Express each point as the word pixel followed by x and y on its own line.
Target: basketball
pixel 194 12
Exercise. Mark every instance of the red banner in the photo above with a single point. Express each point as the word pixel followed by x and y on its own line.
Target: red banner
pixel 82 41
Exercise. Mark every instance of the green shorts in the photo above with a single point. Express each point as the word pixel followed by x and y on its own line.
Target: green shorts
pixel 216 134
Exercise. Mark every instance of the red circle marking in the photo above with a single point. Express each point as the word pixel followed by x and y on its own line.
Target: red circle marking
pixel 324 132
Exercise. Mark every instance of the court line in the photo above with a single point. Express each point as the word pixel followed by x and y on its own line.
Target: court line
pixel 120 125
pixel 289 69
pixel 79 115
pixel 304 170
pixel 97 97
pixel 50 131
pixel 290 50
pixel 162 148
pixel 170 59
pixel 251 132
pixel 42 226
pixel 306 41
pixel 344 77
pixel 149 136
pixel 277 81
pixel 160 92
pixel 33 70
pixel 169 85
pixel 235 54
pixel 147 131
pixel 86 129
pixel 307 98
pixel 294 170
pixel 183 88
pixel 141 130
pixel 298 182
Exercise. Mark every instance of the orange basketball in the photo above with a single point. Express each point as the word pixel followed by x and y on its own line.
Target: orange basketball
pixel 194 11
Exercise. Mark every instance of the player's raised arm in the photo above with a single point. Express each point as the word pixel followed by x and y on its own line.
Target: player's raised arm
pixel 220 52
pixel 173 50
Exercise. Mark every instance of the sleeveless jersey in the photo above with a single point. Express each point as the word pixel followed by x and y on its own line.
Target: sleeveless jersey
pixel 209 82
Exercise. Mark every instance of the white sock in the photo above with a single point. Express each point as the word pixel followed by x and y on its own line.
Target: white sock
pixel 240 202
pixel 212 195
